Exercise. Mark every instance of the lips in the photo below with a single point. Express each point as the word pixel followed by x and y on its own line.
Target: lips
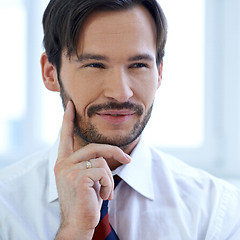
pixel 115 116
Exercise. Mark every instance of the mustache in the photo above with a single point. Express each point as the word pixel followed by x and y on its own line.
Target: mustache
pixel 115 106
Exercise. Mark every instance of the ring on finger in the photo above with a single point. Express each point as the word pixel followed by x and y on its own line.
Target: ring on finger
pixel 88 164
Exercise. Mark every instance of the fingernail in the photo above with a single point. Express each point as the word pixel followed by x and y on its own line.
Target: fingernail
pixel 128 157
pixel 68 104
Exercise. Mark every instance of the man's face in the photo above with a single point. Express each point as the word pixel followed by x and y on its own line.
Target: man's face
pixel 113 82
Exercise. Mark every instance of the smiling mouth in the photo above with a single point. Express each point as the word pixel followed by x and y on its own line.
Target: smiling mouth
pixel 115 117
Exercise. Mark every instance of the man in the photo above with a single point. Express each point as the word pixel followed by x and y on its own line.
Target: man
pixel 105 58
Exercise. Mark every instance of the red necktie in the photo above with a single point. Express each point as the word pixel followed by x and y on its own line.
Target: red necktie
pixel 104 230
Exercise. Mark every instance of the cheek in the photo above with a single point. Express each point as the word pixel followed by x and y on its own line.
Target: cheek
pixel 83 94
pixel 81 98
pixel 149 95
pixel 146 89
pixel 78 86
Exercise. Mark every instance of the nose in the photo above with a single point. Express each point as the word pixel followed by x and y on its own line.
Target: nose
pixel 117 86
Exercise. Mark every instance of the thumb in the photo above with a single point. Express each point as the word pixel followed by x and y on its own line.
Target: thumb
pixel 67 133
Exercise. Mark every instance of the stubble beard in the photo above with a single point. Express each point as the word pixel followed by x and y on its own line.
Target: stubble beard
pixel 88 132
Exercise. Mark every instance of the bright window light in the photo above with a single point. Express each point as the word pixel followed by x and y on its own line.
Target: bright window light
pixel 178 117
pixel 13 65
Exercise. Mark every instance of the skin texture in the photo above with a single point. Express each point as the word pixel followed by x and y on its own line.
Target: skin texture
pixel 117 65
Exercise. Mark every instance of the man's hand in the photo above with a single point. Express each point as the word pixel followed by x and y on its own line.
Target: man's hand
pixel 81 189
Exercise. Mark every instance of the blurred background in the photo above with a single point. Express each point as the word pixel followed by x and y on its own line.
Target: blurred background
pixel 196 116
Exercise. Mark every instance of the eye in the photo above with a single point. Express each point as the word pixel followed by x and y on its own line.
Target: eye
pixel 95 65
pixel 139 65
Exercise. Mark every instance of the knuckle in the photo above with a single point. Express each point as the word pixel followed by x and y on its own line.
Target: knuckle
pixel 84 180
pixel 103 172
pixel 57 168
pixel 116 149
pixel 92 146
pixel 102 161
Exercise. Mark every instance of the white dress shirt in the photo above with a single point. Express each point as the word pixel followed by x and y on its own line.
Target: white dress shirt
pixel 159 198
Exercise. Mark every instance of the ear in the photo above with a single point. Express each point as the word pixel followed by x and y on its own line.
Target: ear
pixel 160 69
pixel 49 74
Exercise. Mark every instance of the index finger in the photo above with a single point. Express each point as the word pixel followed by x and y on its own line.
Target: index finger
pixel 67 133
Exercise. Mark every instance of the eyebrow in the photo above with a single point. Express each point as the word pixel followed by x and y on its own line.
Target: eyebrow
pixel 88 56
pixel 140 57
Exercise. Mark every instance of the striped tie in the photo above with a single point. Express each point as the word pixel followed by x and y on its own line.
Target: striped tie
pixel 104 230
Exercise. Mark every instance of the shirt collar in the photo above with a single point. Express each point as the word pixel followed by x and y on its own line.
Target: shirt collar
pixel 137 174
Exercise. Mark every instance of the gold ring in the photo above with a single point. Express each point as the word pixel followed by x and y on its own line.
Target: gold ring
pixel 89 164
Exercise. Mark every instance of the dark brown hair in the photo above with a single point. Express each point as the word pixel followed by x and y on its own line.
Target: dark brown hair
pixel 62 21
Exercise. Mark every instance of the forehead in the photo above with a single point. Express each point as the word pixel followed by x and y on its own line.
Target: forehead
pixel 125 30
